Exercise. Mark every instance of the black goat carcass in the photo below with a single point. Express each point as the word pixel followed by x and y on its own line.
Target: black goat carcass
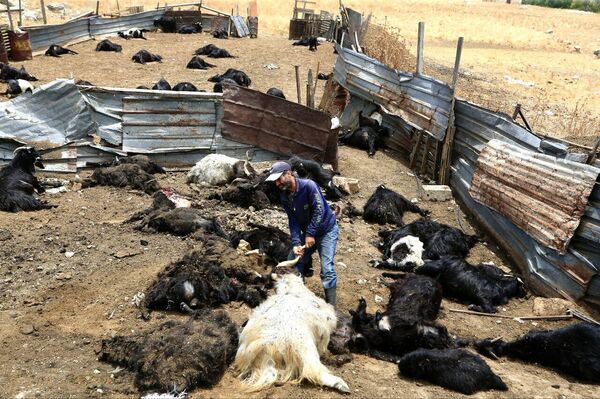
pixel 309 169
pixel 185 86
pixel 198 63
pixel 270 241
pixel 255 192
pixel 206 50
pixel 166 24
pixel 107 45
pixel 239 77
pixel 220 53
pixel 144 56
pixel 180 355
pixel 312 43
pixel 125 175
pixel 8 72
pixel 368 136
pixel 56 51
pixel 218 87
pixel 147 165
pixel 483 287
pixel 407 324
pixel 18 184
pixel 387 206
pixel 438 240
pixel 274 91
pixel 573 350
pixel 196 27
pixel 220 34
pixel 162 84
pixel 455 369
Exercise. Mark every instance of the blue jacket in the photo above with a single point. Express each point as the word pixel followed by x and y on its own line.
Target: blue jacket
pixel 308 212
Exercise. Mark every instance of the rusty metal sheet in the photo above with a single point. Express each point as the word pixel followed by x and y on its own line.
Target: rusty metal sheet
pixel 277 125
pixel 542 195
pixel 423 102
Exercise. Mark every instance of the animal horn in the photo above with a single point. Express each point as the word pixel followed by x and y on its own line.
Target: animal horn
pixel 288 263
pixel 25 147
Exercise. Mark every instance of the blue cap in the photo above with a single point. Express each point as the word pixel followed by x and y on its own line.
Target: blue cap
pixel 277 170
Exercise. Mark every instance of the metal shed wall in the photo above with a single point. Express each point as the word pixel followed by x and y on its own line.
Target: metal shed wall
pixel 42 37
pixel 110 26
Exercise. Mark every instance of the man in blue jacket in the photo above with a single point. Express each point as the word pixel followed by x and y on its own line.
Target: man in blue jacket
pixel 312 223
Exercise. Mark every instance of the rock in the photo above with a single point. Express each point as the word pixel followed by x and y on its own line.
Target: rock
pixel 76 186
pixel 549 31
pixel 27 329
pixel 577 49
pixel 378 299
pixel 69 254
pixel 435 192
pixel 348 185
pixel 5 235
pixel 125 253
pixel 550 306
pixel 597 53
pixel 56 7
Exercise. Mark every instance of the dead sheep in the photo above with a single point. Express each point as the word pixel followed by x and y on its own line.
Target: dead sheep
pixel 387 206
pixel 147 165
pixel 309 169
pixel 285 337
pixel 218 169
pixel 455 369
pixel 17 86
pixel 176 355
pixel 270 241
pixel 255 192
pixel 125 175
pixel 8 72
pixel 18 184
pixel 144 56
pixel 56 51
pixel 573 350
pixel 214 275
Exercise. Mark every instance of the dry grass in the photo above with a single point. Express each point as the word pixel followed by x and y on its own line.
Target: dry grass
pixel 389 47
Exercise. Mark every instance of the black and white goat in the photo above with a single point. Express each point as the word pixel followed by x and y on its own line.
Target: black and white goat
pixel 8 72
pixel 309 169
pixel 133 33
pixel 238 76
pixel 407 324
pixel 56 51
pixel 455 369
pixel 180 355
pixel 107 45
pixel 18 184
pixel 144 56
pixel 483 287
pixel 573 350
pixel 387 206
pixel 438 240
pixel 17 86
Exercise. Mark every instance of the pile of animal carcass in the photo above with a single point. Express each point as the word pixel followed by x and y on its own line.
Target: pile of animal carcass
pixel 290 328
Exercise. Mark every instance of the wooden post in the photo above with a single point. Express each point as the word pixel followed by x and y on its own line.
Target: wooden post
pixel 592 156
pixel 297 67
pixel 316 81
pixel 44 11
pixel 20 14
pixel 118 8
pixel 310 97
pixel 421 39
pixel 10 21
pixel 98 7
pixel 457 62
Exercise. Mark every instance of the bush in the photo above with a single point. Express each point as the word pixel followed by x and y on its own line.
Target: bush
pixel 584 5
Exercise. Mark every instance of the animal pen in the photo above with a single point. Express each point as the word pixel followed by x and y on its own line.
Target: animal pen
pixel 550 229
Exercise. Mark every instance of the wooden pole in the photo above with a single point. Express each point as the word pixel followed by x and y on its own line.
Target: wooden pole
pixel 98 7
pixel 592 156
pixel 10 21
pixel 421 39
pixel 44 12
pixel 309 94
pixel 316 79
pixel 459 46
pixel 118 8
pixel 297 67
pixel 20 14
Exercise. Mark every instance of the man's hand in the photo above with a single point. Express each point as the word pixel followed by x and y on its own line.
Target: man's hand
pixel 299 250
pixel 309 241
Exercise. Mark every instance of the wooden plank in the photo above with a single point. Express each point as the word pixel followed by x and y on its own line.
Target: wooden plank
pixel 459 46
pixel 421 39
pixel 415 150
pixel 425 152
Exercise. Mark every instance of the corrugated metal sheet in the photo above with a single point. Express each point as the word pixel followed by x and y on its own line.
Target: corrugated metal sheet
pixel 423 102
pixel 277 125
pixel 164 123
pixel 543 195
pixel 43 36
pixel 240 26
pixel 574 274
pixel 53 115
pixel 110 26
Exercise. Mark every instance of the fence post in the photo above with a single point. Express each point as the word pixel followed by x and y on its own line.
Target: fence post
pixel 98 7
pixel 10 21
pixel 297 67
pixel 457 62
pixel 592 156
pixel 420 41
pixel 20 14
pixel 309 93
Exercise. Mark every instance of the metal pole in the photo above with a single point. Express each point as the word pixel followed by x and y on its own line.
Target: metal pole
pixel 297 67
pixel 457 61
pixel 420 48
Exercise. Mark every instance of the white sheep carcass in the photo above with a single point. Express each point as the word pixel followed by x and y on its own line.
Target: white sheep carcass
pixel 285 337
pixel 218 169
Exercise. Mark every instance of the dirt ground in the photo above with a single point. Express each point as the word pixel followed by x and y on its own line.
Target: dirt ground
pixel 55 310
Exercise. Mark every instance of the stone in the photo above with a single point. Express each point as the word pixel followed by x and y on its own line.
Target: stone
pixel 348 185
pixel 26 329
pixel 5 235
pixel 550 306
pixel 435 192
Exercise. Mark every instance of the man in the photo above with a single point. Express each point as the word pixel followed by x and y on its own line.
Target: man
pixel 313 226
